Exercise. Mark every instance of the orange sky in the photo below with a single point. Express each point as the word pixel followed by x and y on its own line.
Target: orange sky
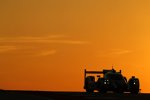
pixel 47 44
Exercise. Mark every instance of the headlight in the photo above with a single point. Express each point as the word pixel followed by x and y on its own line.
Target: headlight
pixel 106 81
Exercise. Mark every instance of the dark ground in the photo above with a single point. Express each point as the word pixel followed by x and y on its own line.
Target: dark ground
pixel 48 95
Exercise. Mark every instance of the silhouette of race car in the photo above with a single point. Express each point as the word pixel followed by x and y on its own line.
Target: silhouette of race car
pixel 111 81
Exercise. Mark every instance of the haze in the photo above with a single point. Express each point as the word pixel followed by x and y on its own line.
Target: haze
pixel 47 44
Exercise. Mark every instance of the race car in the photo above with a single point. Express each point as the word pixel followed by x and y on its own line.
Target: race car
pixel 111 81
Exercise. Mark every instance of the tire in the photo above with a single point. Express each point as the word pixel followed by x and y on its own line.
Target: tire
pixel 90 84
pixel 100 86
pixel 134 86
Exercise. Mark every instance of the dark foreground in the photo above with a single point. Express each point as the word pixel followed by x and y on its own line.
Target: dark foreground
pixel 45 95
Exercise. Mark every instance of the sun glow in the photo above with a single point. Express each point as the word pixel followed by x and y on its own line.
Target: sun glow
pixel 46 45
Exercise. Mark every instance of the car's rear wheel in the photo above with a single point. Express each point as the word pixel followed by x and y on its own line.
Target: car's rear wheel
pixel 90 84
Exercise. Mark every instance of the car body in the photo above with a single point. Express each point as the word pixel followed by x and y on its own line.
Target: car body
pixel 111 81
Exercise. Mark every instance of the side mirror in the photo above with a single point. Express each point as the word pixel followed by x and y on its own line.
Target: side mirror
pixel 120 71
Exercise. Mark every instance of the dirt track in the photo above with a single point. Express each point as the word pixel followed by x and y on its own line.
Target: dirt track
pixel 45 95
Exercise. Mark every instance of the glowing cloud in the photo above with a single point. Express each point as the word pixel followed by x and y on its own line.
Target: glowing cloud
pixel 121 52
pixel 7 48
pixel 114 53
pixel 48 39
pixel 28 44
pixel 46 53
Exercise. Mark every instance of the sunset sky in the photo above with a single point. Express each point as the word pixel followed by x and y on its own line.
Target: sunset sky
pixel 47 44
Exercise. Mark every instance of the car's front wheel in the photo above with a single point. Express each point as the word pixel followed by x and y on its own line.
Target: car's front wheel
pixel 134 85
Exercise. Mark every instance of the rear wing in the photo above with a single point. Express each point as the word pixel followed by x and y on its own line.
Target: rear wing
pixel 96 72
pixel 91 72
